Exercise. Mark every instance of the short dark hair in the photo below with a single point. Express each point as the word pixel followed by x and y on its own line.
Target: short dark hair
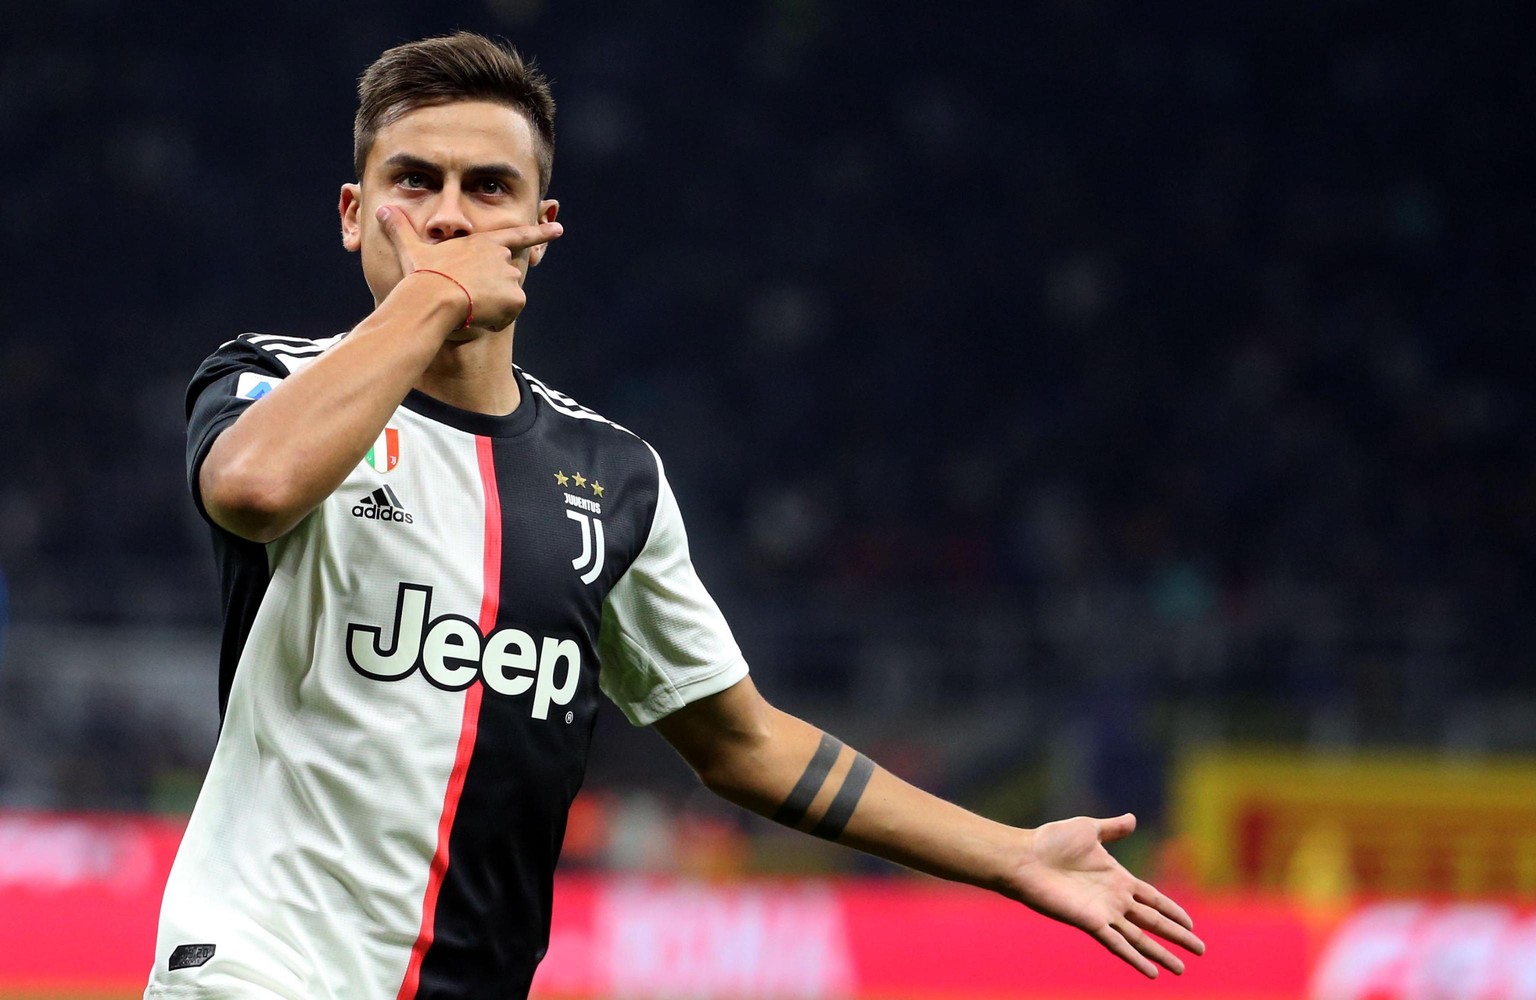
pixel 458 67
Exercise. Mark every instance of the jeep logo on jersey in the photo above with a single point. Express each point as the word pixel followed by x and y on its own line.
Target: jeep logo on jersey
pixel 451 653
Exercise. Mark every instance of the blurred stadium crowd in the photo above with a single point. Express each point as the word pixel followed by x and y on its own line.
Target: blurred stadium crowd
pixel 1046 386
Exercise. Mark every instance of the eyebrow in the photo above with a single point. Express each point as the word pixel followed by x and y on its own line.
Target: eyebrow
pixel 406 161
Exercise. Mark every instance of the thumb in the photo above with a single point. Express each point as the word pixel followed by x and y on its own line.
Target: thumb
pixel 1111 830
pixel 397 227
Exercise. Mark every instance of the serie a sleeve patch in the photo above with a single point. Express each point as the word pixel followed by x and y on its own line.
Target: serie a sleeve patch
pixel 254 385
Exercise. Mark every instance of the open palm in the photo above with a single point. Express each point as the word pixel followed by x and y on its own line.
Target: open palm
pixel 1070 877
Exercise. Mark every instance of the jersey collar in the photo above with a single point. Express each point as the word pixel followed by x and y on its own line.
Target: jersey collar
pixel 470 422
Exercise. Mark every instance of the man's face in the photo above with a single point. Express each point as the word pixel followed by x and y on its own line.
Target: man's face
pixel 453 169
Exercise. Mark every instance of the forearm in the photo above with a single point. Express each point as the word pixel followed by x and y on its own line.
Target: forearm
pixel 797 775
pixel 778 766
pixel 295 446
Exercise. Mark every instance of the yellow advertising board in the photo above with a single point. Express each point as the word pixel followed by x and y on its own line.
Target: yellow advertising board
pixel 1329 825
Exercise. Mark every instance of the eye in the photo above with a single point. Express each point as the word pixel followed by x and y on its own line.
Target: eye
pixel 412 180
pixel 489 186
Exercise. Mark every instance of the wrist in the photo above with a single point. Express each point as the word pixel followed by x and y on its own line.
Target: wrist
pixel 446 291
pixel 1013 858
pixel 420 311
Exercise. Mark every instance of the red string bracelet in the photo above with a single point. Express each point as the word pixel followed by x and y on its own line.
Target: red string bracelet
pixel 467 316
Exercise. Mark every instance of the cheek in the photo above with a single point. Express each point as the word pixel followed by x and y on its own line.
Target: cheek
pixel 381 267
pixel 375 245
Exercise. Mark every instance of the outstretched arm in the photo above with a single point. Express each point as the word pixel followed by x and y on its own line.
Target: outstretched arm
pixel 778 766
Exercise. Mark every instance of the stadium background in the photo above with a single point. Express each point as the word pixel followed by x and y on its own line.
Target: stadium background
pixel 1080 406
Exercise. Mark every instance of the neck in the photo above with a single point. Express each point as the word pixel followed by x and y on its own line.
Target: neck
pixel 474 374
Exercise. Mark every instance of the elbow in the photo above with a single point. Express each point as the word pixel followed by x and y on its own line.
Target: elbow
pixel 728 783
pixel 736 768
pixel 716 776
pixel 248 498
pixel 728 739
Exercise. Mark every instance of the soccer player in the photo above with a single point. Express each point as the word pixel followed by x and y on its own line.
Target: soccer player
pixel 431 565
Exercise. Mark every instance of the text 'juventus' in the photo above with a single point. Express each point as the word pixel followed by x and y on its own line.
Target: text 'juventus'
pixel 451 653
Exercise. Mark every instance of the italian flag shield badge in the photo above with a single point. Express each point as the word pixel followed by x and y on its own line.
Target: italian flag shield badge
pixel 385 453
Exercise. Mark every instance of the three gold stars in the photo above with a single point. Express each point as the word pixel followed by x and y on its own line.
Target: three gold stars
pixel 581 482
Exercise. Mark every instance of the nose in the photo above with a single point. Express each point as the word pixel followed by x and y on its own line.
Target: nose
pixel 448 220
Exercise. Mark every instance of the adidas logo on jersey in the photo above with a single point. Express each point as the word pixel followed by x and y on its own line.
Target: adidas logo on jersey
pixel 382 505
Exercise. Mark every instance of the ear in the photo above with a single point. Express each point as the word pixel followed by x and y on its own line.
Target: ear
pixel 548 209
pixel 351 225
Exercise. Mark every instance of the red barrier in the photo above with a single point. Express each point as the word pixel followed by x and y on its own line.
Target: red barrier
pixel 79 897
pixel 1422 951
pixel 869 938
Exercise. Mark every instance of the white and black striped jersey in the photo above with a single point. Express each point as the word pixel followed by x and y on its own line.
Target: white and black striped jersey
pixel 408 682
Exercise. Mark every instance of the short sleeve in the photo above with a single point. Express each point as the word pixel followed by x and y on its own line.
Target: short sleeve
pixel 229 381
pixel 663 641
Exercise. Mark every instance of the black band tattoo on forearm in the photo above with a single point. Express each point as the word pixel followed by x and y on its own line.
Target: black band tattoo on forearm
pixel 832 822
pixel 804 792
pixel 847 799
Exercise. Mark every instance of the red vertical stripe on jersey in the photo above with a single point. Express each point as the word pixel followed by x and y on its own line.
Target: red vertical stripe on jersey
pixel 469 728
pixel 491 567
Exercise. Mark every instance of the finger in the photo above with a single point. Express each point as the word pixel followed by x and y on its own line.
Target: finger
pixel 1111 830
pixel 523 237
pixel 1148 919
pixel 1111 938
pixel 397 226
pixel 1150 947
pixel 1149 896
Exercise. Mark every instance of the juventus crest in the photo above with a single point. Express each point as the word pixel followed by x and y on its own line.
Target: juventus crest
pixel 591 558
pixel 587 515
